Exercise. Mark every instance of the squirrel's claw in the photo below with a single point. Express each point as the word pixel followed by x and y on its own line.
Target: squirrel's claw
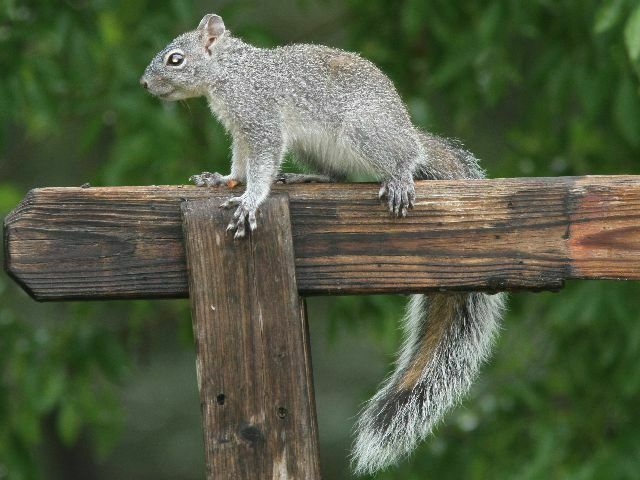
pixel 232 202
pixel 400 196
pixel 240 231
pixel 243 216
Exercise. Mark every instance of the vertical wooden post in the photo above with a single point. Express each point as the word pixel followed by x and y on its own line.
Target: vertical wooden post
pixel 252 351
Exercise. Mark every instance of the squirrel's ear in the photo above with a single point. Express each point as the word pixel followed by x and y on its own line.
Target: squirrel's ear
pixel 212 27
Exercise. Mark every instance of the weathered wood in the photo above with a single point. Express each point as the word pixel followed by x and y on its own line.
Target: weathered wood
pixel 505 234
pixel 253 364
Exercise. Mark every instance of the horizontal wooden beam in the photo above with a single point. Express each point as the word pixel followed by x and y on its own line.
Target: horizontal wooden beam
pixel 504 234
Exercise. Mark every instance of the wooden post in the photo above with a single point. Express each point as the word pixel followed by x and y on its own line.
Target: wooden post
pixel 252 351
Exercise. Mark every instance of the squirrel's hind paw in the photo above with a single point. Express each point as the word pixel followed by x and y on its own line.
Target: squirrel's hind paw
pixel 400 196
pixel 302 178
pixel 244 214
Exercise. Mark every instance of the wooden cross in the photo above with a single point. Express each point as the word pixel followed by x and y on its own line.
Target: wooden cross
pixel 250 327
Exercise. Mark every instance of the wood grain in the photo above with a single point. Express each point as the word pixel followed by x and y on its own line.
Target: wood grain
pixel 503 234
pixel 253 363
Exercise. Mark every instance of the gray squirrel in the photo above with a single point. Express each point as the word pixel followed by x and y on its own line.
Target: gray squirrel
pixel 339 114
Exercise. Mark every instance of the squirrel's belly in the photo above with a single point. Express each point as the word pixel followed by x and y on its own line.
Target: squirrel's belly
pixel 329 150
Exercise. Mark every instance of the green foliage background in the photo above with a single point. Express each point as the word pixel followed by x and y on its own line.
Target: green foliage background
pixel 538 87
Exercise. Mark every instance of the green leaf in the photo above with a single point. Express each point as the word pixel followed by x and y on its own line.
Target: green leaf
pixel 411 18
pixel 490 22
pixel 632 35
pixel 68 423
pixel 9 197
pixel 109 26
pixel 27 425
pixel 608 15
pixel 52 390
pixel 110 356
pixel 627 112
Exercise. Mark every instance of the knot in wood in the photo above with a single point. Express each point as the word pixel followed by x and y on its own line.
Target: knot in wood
pixel 250 433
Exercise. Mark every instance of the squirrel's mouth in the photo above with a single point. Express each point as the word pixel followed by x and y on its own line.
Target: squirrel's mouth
pixel 165 94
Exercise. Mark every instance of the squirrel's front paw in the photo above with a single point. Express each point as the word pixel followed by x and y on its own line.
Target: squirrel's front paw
pixel 400 195
pixel 208 179
pixel 244 214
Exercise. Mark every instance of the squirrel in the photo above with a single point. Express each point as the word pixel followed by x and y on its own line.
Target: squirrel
pixel 339 114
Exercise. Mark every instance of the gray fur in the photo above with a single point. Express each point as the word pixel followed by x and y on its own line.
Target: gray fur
pixel 340 115
pixel 393 422
pixel 333 108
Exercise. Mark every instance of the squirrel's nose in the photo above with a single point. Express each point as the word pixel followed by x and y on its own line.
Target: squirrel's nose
pixel 143 82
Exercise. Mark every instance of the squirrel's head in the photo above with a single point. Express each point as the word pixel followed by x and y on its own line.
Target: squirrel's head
pixel 173 72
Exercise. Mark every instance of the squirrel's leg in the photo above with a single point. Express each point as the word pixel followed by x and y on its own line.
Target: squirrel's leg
pixel 261 172
pixel 311 162
pixel 396 166
pixel 390 149
pixel 238 169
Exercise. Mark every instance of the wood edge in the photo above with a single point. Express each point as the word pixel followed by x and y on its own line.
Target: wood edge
pixel 308 365
pixel 586 189
pixel 44 298
pixel 582 181
pixel 30 199
pixel 317 292
pixel 27 201
pixel 586 179
pixel 491 290
pixel 11 217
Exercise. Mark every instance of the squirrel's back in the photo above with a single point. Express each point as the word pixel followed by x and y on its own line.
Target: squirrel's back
pixel 339 112
pixel 337 83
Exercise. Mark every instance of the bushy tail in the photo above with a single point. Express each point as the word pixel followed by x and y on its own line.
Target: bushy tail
pixel 447 337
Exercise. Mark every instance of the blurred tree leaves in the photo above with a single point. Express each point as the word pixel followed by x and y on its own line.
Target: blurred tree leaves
pixel 632 36
pixel 533 87
pixel 608 15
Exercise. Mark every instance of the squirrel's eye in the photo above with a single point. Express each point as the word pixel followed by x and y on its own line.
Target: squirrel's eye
pixel 175 59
